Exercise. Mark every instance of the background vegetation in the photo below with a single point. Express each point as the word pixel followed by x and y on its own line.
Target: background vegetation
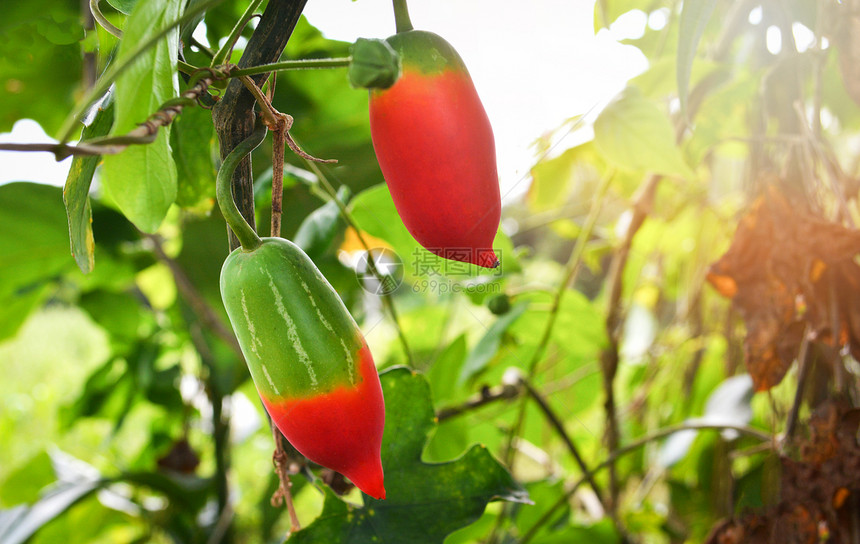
pixel 668 353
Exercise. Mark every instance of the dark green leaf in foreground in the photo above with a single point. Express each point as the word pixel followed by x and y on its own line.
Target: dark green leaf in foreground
pixel 425 502
pixel 40 61
pixel 191 139
pixel 34 248
pixel 123 6
pixel 76 192
pixel 322 226
pixel 488 345
pixel 142 179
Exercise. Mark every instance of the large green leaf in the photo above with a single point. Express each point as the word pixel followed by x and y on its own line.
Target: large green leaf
pixel 489 344
pixel 76 194
pixel 33 248
pixel 26 481
pixel 322 226
pixel 425 502
pixel 633 133
pixel 16 307
pixel 694 17
pixel 34 244
pixel 192 136
pixel 142 179
pixel 446 365
pixel 374 213
pixel 123 6
pixel 40 61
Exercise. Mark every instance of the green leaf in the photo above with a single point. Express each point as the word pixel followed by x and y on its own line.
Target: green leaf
pixel 579 326
pixel 40 61
pixel 602 532
pixel 16 307
pixel 448 364
pixel 120 314
pixel 123 6
pixel 489 344
pixel 694 18
pixel 374 213
pixel 105 392
pixel 425 502
pixel 191 137
pixel 321 227
pixel 76 192
pixel 19 524
pixel 34 247
pixel 633 134
pixel 25 482
pixel 142 179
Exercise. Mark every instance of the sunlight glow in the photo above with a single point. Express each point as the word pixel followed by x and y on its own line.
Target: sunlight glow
pixel 773 39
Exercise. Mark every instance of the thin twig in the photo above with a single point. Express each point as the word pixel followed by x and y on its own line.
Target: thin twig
pixel 631 447
pixel 116 69
pixel 281 461
pixel 609 359
pixel 803 371
pixel 221 425
pixel 279 138
pixel 61 151
pixel 571 271
pixel 144 133
pixel 559 427
pixel 278 121
pixel 299 64
pixel 279 457
pixel 371 265
pixel 486 396
pixel 192 296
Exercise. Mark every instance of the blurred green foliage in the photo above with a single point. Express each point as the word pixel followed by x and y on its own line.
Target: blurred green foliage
pixel 121 394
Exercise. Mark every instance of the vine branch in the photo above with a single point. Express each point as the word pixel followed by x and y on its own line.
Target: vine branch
pixel 192 296
pixel 631 447
pixel 487 395
pixel 371 265
pixel 144 133
pixel 102 20
pixel 118 68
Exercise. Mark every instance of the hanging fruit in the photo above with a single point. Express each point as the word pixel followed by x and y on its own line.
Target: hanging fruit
pixel 308 358
pixel 435 146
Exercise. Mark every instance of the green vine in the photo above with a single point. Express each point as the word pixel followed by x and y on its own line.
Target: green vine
pixel 224 194
pixel 401 16
pixel 223 53
pixel 67 130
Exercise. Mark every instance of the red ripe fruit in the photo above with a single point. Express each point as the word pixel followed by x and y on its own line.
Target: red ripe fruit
pixel 436 149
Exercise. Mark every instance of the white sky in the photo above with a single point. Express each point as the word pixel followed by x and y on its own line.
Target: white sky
pixel 535 65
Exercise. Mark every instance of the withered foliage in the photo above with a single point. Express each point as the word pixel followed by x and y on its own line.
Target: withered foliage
pixel 819 494
pixel 788 269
